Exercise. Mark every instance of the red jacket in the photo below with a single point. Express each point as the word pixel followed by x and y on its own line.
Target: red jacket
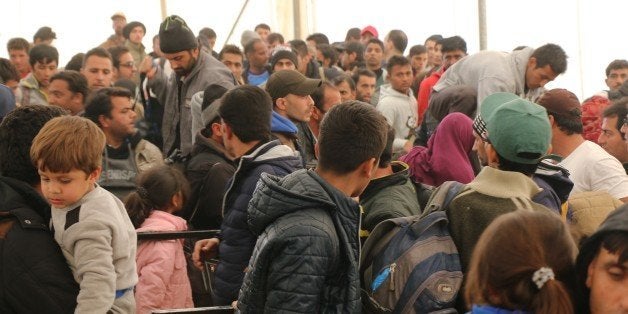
pixel 425 90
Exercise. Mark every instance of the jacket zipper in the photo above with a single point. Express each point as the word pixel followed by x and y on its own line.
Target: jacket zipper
pixel 224 198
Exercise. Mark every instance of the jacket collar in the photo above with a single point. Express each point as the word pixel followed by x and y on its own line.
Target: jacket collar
pixel 30 81
pixel 503 184
pixel 400 175
pixel 208 144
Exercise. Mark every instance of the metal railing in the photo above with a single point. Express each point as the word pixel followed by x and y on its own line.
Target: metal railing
pixel 189 234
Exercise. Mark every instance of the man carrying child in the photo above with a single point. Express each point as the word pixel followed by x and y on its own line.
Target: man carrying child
pixel 90 224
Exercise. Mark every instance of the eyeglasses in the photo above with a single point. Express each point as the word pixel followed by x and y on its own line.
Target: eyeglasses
pixel 129 64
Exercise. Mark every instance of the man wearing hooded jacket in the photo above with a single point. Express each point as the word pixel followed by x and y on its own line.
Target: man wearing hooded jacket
pixel 523 72
pixel 245 115
pixel 307 252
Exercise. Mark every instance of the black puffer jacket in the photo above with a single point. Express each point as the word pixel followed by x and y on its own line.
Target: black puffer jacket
pixel 306 256
pixel 34 276
pixel 237 240
pixel 208 172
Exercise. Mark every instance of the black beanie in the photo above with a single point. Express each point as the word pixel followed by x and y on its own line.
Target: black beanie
pixel 175 35
pixel 128 28
pixel 283 54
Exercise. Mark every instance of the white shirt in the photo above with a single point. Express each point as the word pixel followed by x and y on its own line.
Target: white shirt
pixel 591 168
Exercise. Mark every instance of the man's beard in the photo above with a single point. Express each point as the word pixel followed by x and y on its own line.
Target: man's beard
pixel 185 71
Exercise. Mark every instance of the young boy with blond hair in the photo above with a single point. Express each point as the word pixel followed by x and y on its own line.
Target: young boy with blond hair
pixel 90 224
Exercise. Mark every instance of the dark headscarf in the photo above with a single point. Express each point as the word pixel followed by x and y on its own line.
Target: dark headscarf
pixel 456 98
pixel 446 157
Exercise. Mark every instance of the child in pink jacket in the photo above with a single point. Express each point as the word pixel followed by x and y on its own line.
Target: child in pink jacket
pixel 161 266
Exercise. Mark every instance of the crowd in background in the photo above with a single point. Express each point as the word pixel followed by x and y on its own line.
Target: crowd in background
pixel 300 152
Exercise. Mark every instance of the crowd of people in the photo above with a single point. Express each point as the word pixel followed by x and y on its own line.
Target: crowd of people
pixel 297 152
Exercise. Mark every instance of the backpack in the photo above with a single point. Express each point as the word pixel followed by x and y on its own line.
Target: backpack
pixel 411 264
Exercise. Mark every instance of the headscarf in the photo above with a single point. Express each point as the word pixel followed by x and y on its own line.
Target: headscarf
pixel 446 157
pixel 592 109
pixel 456 98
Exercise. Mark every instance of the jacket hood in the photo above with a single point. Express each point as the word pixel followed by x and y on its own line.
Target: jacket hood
pixel 162 221
pixel 276 197
pixel 22 201
pixel 519 62
pixel 400 175
pixel 281 124
pixel 556 177
pixel 276 154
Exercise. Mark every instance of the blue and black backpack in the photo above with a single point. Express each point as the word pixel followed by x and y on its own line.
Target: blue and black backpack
pixel 411 264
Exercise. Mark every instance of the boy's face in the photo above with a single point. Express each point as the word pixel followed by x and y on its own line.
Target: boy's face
pixel 44 71
pixel 400 78
pixel 64 189
pixel 19 58
pixel 418 61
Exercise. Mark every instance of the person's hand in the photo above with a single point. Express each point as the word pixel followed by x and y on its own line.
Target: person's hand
pixel 407 147
pixel 204 250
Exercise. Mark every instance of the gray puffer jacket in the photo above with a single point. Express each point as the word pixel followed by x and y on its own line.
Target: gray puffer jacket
pixel 307 253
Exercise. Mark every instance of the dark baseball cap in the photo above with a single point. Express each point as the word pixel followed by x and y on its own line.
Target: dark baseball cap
pixel 561 102
pixel 284 82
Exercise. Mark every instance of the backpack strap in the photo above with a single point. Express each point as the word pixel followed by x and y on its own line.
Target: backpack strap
pixel 442 196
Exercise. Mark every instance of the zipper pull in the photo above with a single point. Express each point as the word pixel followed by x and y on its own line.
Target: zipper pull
pixel 392 277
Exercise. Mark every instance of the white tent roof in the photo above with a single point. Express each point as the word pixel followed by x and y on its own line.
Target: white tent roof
pixel 591 32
